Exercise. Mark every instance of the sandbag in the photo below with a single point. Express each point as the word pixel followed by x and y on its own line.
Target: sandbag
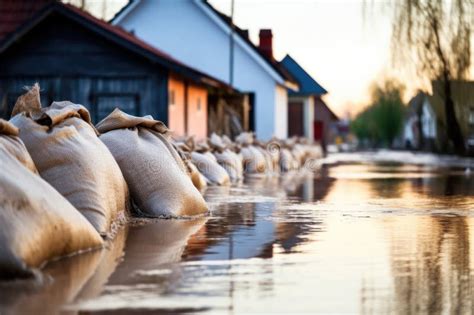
pixel 157 177
pixel 37 223
pixel 184 151
pixel 212 171
pixel 287 160
pixel 11 143
pixel 69 155
pixel 229 160
pixel 253 159
pixel 199 181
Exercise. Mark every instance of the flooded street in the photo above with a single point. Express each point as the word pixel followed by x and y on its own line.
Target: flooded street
pixel 357 238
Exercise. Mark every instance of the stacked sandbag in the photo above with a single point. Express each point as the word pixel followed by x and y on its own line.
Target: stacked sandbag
pixel 262 147
pixel 68 154
pixel 253 159
pixel 287 160
pixel 37 223
pixel 157 177
pixel 199 181
pixel 228 159
pixel 208 166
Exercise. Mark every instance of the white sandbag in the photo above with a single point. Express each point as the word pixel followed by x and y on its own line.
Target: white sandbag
pixel 229 160
pixel 69 155
pixel 232 163
pixel 37 223
pixel 212 171
pixel 11 143
pixel 199 181
pixel 253 160
pixel 158 181
pixel 287 160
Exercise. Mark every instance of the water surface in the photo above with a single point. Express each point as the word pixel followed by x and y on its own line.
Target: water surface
pixel 357 238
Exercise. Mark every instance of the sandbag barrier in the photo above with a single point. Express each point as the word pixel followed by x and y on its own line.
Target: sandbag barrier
pixel 61 175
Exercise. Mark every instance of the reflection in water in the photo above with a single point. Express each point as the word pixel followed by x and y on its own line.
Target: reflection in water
pixel 348 239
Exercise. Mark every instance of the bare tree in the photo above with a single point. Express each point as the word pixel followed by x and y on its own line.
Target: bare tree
pixel 435 37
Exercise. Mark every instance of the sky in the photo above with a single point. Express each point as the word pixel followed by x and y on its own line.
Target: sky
pixel 342 45
pixel 339 43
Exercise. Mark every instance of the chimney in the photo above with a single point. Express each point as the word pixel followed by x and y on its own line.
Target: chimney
pixel 245 33
pixel 265 44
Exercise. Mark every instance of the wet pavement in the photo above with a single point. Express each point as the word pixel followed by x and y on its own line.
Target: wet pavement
pixel 356 238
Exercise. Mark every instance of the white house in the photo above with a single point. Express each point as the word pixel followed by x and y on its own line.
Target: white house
pixel 420 110
pixel 199 35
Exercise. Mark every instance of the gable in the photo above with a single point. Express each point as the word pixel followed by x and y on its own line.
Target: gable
pixel 193 15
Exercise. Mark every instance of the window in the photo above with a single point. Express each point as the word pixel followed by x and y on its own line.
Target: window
pixel 172 98
pixel 199 104
pixel 106 103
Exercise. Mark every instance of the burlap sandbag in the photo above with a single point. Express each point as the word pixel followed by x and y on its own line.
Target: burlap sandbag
pixel 212 171
pixel 229 160
pixel 37 223
pixel 184 151
pixel 11 143
pixel 253 160
pixel 68 154
pixel 157 177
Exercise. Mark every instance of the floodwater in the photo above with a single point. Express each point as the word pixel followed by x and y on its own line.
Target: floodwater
pixel 352 238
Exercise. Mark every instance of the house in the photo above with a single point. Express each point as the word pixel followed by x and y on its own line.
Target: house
pixel 199 35
pixel 421 126
pixel 78 57
pixel 308 114
pixel 426 113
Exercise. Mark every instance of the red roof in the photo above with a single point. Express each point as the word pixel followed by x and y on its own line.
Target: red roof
pixel 13 13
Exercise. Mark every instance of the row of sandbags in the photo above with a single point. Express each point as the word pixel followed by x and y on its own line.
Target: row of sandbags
pixel 64 183
pixel 221 161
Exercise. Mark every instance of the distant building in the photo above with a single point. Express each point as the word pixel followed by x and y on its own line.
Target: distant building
pixel 308 114
pixel 75 56
pixel 427 113
pixel 196 33
pixel 420 129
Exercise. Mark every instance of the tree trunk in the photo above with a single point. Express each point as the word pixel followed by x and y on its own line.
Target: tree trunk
pixel 452 125
pixel 421 136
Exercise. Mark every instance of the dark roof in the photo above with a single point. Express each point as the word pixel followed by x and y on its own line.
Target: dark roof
pixel 13 13
pixel 243 34
pixel 114 34
pixel 308 86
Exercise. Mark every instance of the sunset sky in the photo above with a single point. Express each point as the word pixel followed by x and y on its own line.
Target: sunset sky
pixel 330 38
pixel 344 47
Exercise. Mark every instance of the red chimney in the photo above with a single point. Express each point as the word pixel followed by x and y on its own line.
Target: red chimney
pixel 265 45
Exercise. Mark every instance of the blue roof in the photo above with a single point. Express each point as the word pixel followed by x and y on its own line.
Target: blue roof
pixel 308 85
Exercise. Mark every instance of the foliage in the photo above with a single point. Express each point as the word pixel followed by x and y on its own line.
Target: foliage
pixel 382 121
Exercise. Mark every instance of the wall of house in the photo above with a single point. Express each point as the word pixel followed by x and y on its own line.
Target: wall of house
pixel 73 63
pixel 281 112
pixel 176 106
pixel 197 112
pixel 198 40
pixel 308 108
pixel 196 105
pixel 321 113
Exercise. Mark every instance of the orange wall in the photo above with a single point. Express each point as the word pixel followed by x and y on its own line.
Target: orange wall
pixel 176 110
pixel 197 115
